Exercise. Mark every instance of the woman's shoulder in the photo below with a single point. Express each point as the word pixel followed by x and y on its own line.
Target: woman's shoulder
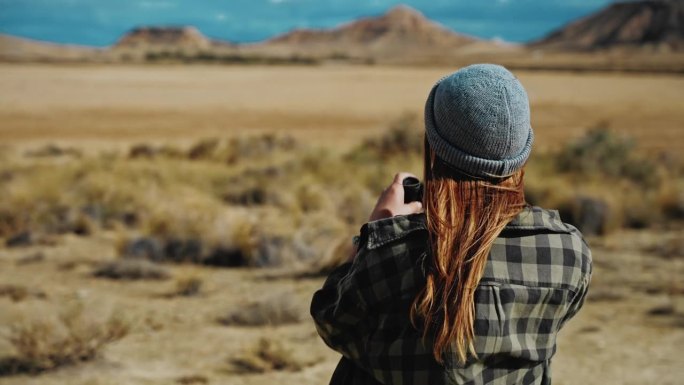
pixel 538 249
pixel 538 218
pixel 379 233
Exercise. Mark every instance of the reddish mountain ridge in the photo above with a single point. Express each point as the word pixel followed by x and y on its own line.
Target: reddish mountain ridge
pixel 176 37
pixel 401 25
pixel 20 49
pixel 650 23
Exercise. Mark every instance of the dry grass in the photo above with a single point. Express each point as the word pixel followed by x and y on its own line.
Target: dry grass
pixel 188 286
pixel 19 293
pixel 266 355
pixel 193 379
pixel 132 269
pixel 101 106
pixel 280 309
pixel 45 344
pixel 268 200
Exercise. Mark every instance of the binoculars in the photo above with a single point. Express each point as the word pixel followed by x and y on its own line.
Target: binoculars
pixel 413 189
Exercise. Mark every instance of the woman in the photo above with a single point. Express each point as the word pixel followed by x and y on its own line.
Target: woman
pixel 474 289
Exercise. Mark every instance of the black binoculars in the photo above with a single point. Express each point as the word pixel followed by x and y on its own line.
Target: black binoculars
pixel 413 189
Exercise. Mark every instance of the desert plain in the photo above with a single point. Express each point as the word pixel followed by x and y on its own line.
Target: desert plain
pixel 631 330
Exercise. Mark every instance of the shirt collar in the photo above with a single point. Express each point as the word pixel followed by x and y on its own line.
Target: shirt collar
pixel 386 230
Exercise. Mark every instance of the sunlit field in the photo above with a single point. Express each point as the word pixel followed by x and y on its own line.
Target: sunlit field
pixel 323 105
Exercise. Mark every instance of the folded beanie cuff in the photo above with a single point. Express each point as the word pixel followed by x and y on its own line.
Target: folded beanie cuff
pixel 473 165
pixel 467 163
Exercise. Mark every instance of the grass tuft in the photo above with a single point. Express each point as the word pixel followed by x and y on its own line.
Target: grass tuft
pixel 265 356
pixel 132 269
pixel 275 310
pixel 41 345
pixel 188 286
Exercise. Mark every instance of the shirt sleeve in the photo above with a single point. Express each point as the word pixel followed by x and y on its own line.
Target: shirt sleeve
pixel 582 289
pixel 379 282
pixel 340 313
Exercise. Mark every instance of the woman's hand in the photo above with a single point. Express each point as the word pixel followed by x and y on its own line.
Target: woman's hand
pixel 391 201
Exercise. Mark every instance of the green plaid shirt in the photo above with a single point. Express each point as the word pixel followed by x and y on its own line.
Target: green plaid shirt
pixel 536 279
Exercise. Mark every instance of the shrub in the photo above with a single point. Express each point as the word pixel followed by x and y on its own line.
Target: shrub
pixel 204 149
pixel 265 356
pixel 275 310
pixel 131 269
pixel 41 345
pixel 590 215
pixel 602 153
pixel 142 151
pixel 192 379
pixel 31 259
pixel 53 150
pixel 403 137
pixel 19 293
pixel 188 286
pixel 335 256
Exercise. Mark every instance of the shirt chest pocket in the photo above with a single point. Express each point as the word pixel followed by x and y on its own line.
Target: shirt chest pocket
pixel 518 321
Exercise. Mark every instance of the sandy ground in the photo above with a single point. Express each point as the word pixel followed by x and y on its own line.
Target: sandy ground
pixel 96 104
pixel 614 340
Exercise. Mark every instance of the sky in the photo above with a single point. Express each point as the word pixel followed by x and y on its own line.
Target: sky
pixel 102 22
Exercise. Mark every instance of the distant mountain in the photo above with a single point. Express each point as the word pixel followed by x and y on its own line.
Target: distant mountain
pixel 650 23
pixel 404 36
pixel 20 49
pixel 163 37
pixel 401 25
pixel 399 31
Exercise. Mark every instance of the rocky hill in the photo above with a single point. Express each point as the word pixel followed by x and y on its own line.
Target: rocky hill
pixel 634 24
pixel 401 25
pixel 20 49
pixel 164 37
pixel 401 28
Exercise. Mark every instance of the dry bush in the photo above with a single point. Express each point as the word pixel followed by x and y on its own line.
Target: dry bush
pixel 204 149
pixel 601 152
pixel 19 293
pixel 46 344
pixel 403 137
pixel 131 269
pixel 192 379
pixel 237 149
pixel 142 151
pixel 275 310
pixel 335 256
pixel 671 201
pixel 178 208
pixel 601 182
pixel 188 286
pixel 53 150
pixel 31 259
pixel 265 356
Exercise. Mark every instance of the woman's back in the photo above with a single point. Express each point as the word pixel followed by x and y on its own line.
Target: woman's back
pixel 535 279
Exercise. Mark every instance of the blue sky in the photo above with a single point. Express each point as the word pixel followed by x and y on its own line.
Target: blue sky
pixel 102 22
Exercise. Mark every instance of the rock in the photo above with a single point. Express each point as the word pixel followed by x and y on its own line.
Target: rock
pixel 144 248
pixel 24 238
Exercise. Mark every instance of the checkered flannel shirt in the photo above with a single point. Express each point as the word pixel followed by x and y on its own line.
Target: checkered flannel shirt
pixel 535 279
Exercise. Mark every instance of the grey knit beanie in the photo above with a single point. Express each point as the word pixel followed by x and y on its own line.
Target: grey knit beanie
pixel 477 120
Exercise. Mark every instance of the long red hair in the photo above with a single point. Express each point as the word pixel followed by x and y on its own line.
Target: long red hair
pixel 464 217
